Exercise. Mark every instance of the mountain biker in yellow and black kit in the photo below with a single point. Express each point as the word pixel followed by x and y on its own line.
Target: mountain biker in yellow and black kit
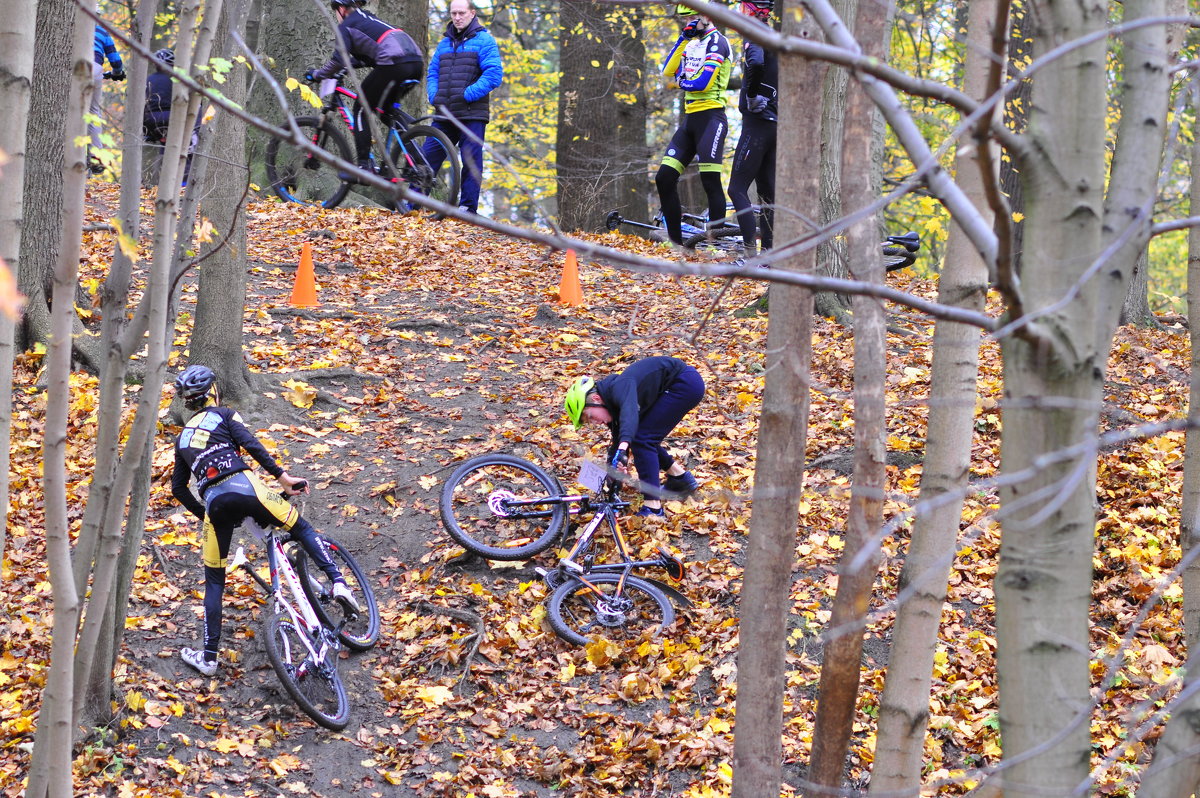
pixel 699 63
pixel 209 450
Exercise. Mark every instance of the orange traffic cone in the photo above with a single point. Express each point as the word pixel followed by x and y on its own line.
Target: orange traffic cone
pixel 304 292
pixel 569 292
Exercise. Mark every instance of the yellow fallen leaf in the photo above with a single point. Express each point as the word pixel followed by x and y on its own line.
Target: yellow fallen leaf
pixel 301 394
pixel 435 694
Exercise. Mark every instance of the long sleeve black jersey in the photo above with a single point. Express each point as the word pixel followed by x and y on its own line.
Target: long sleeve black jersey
pixel 209 448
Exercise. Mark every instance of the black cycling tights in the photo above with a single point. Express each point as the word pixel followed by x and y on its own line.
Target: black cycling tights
pixel 226 512
pixel 667 181
pixel 754 162
pixel 386 84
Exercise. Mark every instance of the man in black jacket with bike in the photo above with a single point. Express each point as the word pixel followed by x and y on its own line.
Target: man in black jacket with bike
pixel 395 60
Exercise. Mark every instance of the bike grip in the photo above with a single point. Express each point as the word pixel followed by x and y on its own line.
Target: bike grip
pixel 300 486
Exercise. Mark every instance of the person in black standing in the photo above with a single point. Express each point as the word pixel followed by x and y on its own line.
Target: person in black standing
pixel 754 158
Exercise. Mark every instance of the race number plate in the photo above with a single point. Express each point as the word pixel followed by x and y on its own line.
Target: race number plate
pixel 591 476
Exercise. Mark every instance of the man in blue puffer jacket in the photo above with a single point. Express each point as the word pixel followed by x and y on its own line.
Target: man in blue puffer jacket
pixel 465 69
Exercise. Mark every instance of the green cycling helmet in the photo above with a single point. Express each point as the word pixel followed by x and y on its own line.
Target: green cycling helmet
pixel 576 398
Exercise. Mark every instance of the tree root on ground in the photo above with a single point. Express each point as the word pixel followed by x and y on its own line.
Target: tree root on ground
pixel 471 641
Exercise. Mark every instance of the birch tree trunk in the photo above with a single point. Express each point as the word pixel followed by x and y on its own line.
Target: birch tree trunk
pixel 1080 245
pixel 16 79
pixel 859 562
pixel 154 309
pixel 97 669
pixel 50 774
pixel 783 429
pixel 1175 768
pixel 904 707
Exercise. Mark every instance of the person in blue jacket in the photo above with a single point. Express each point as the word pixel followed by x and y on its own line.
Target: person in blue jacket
pixel 104 49
pixel 754 158
pixel 465 70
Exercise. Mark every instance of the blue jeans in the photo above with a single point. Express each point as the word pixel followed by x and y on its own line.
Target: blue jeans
pixel 656 424
pixel 470 148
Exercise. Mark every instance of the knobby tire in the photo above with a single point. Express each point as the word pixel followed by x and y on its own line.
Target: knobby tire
pixel 297 176
pixel 578 615
pixel 475 525
pixel 359 630
pixel 417 171
pixel 315 687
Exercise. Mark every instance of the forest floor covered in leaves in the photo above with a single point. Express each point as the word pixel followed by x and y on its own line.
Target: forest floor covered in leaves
pixel 435 341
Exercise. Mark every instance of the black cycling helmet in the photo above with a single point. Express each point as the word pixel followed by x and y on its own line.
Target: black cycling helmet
pixel 766 4
pixel 336 4
pixel 194 383
pixel 166 55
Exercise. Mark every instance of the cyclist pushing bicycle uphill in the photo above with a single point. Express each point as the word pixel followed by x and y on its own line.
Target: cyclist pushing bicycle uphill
pixel 209 449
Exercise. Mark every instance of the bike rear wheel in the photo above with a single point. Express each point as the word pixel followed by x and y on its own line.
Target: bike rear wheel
pixel 600 605
pixel 408 153
pixel 483 507
pixel 316 687
pixel 357 629
pixel 297 176
pixel 726 238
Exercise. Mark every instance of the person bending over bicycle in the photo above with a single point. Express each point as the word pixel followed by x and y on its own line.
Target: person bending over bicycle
pixel 395 60
pixel 641 406
pixel 754 157
pixel 209 450
pixel 699 63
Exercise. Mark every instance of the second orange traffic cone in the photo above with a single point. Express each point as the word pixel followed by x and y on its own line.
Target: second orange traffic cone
pixel 569 292
pixel 304 292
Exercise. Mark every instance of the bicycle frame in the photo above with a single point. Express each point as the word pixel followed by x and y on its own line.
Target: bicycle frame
pixel 580 560
pixel 282 573
pixel 395 119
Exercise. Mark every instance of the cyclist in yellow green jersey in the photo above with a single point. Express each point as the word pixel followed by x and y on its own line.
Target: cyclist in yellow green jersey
pixel 699 63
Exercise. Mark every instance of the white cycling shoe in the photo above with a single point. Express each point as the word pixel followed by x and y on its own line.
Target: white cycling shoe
pixel 196 659
pixel 341 592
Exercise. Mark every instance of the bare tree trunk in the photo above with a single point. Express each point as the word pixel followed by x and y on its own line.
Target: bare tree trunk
pixel 1054 370
pixel 904 707
pixel 16 79
pixel 50 774
pixel 153 312
pixel 1175 769
pixel 221 303
pixel 859 562
pixel 779 464
pixel 832 255
pixel 45 155
pixel 96 696
pixel 1136 310
pixel 601 141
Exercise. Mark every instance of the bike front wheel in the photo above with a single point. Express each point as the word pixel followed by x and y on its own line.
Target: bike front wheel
pixel 594 605
pixel 502 507
pixel 298 176
pixel 315 686
pixel 357 629
pixel 415 154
